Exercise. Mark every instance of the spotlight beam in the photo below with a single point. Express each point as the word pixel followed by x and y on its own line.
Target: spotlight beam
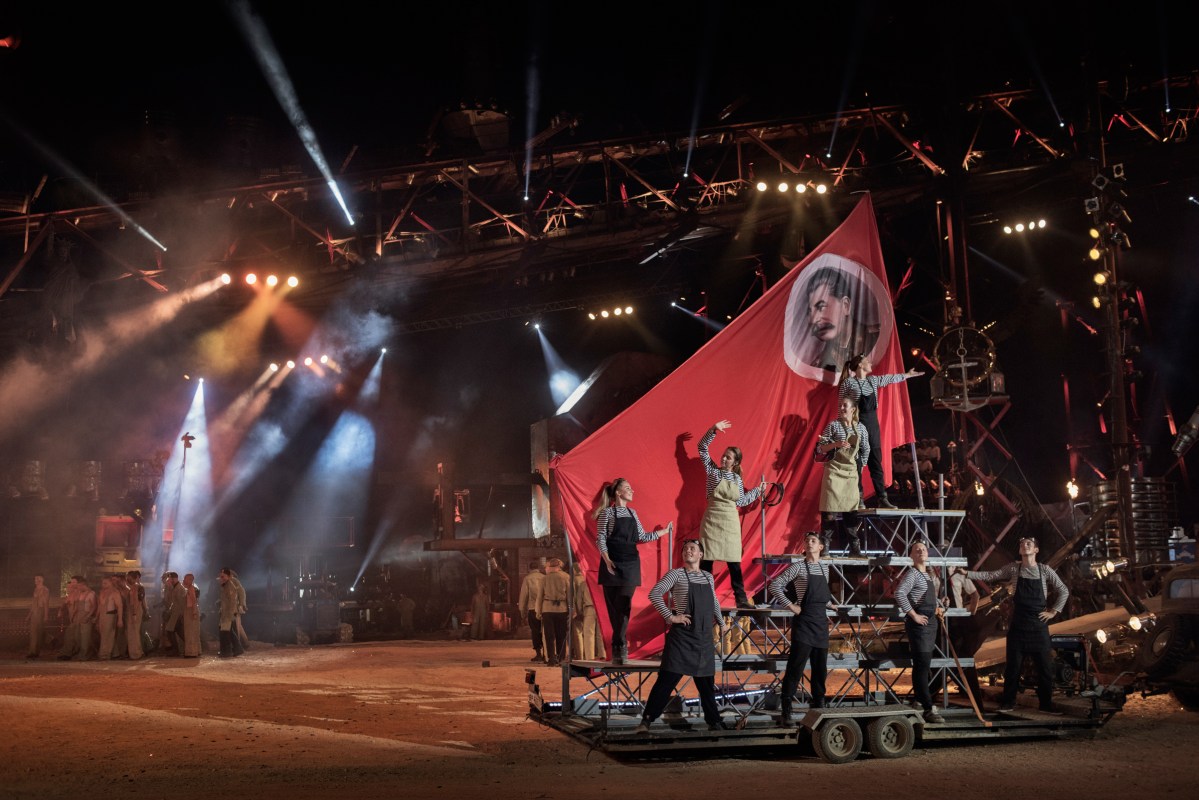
pixel 273 69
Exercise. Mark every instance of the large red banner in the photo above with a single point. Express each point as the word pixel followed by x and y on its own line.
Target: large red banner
pixel 773 373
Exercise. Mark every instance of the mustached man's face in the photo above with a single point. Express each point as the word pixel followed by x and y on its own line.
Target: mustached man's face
pixel 827 314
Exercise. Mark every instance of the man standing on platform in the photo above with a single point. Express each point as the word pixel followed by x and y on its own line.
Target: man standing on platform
pixel 529 602
pixel 1028 633
pixel 39 615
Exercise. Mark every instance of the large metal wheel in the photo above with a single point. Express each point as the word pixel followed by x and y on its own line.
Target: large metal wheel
pixel 1164 648
pixel 891 737
pixel 838 741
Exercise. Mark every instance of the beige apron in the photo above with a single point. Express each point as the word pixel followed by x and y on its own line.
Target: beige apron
pixel 839 487
pixel 720 530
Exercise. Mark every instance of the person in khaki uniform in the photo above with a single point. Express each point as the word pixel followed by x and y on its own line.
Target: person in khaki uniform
pixel 174 603
pixel 39 615
pixel 66 612
pixel 135 612
pixel 588 640
pixel 110 618
pixel 552 611
pixel 527 604
pixel 191 617
pixel 228 610
pixel 83 615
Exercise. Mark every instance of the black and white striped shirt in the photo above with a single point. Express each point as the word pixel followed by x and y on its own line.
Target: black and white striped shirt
pixel 679 582
pixel 838 431
pixel 797 573
pixel 913 586
pixel 716 474
pixel 856 389
pixel 606 523
pixel 1051 584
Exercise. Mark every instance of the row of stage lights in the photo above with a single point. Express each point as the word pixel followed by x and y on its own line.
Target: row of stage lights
pixel 800 188
pixel 615 312
pixel 1021 227
pixel 309 361
pixel 270 280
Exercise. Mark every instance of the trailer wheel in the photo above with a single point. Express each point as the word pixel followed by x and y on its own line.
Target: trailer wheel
pixel 838 741
pixel 891 737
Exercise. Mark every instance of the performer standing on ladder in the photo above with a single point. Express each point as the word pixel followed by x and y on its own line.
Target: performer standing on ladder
pixel 861 387
pixel 809 626
pixel 618 532
pixel 843 446
pixel 720 530
pixel 689 649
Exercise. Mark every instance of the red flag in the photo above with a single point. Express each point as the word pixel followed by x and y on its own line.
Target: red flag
pixel 766 372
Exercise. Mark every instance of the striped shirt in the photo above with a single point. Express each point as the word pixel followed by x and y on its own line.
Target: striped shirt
pixel 797 572
pixel 913 586
pixel 678 582
pixel 606 523
pixel 838 431
pixel 716 474
pixel 855 389
pixel 1050 582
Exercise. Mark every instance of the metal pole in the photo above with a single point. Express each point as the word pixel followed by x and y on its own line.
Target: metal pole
pixel 762 502
pixel 916 476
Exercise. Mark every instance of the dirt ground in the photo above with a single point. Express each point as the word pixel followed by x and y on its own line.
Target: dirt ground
pixel 426 719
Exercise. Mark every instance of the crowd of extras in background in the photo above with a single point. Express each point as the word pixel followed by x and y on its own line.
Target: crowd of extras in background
pixel 115 622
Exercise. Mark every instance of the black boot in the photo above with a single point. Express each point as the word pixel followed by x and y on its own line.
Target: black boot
pixel 882 501
pixel 226 644
pixel 785 720
pixel 855 540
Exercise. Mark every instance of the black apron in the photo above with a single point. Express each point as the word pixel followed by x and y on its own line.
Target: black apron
pixel 922 638
pixel 810 626
pixel 689 649
pixel 867 403
pixel 622 549
pixel 1028 603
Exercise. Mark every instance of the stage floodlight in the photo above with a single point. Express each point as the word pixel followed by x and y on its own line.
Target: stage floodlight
pixel 291 364
pixel 618 311
pixel 590 315
pixel 1007 229
pixel 801 187
pixel 604 313
pixel 1072 489
pixel 1091 205
pixel 1041 223
pixel 1100 278
pixel 783 186
pixel 186 377
pixel 324 359
pixel 384 351
pixel 979 489
pixel 1095 254
pixel 272 280
pixel 761 186
pixel 274 367
pixel 251 278
pixel 1019 227
pixel 1094 233
pixel 821 188
pixel 226 278
pixel 1101 636
pixel 293 281
pixel 1142 622
pixel 628 309
pixel 308 361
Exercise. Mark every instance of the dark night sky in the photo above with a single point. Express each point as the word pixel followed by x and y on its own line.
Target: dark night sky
pixel 373 75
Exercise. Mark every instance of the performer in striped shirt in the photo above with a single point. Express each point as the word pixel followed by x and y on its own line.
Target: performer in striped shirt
pixel 844 447
pixel 916 596
pixel 809 626
pixel 692 615
pixel 1028 633
pixel 720 529
pixel 618 532
pixel 861 387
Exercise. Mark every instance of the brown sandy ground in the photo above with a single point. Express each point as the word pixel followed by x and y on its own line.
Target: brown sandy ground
pixel 425 719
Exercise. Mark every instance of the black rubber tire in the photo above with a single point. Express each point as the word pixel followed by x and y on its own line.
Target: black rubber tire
pixel 890 737
pixel 1187 696
pixel 838 741
pixel 1163 649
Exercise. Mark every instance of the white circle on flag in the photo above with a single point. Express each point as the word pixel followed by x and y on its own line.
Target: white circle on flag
pixel 837 309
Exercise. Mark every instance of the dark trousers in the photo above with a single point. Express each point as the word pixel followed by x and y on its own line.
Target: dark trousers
pixel 534 630
pixel 921 663
pixel 1015 664
pixel 620 608
pixel 659 696
pixel 735 578
pixel 555 623
pixel 843 525
pixel 874 461
pixel 796 659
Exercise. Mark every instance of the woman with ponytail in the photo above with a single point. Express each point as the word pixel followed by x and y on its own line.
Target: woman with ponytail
pixel 618 532
pixel 720 531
